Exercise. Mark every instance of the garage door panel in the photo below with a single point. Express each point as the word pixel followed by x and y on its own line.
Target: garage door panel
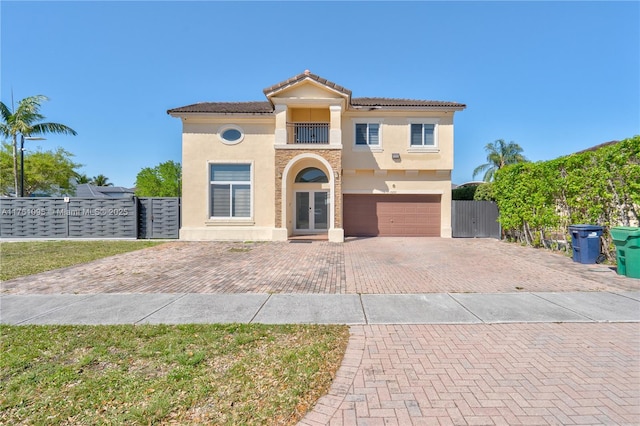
pixel 392 215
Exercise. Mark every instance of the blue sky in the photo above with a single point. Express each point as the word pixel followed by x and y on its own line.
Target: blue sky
pixel 555 77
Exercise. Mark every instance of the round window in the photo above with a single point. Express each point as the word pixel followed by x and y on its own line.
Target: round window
pixel 231 135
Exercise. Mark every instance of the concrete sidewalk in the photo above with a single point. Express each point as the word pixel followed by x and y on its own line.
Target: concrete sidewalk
pixel 352 309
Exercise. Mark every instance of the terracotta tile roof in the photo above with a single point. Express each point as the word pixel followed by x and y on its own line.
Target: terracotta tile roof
pixel 265 107
pixel 391 102
pixel 257 107
pixel 302 76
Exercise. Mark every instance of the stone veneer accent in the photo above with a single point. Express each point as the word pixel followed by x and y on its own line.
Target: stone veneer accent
pixel 333 156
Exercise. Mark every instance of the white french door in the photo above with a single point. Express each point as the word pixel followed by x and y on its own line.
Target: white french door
pixel 312 211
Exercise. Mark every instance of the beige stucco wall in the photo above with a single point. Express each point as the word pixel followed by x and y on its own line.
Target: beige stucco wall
pixel 394 128
pixel 374 171
pixel 201 146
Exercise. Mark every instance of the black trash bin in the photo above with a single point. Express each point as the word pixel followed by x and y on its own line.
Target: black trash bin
pixel 585 240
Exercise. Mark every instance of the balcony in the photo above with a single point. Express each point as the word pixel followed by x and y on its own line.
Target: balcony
pixel 307 133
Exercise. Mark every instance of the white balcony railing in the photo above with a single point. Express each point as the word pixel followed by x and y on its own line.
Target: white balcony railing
pixel 308 133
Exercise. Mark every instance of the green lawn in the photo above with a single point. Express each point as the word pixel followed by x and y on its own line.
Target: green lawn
pixel 18 259
pixel 189 374
pixel 155 374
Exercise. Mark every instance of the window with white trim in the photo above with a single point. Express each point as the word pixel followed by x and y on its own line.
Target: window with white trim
pixel 423 135
pixel 368 134
pixel 230 192
pixel 230 134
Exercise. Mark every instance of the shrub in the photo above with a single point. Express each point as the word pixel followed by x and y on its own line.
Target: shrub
pixel 465 193
pixel 484 192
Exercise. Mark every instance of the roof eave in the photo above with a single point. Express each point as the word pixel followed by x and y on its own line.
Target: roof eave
pixel 186 115
pixel 407 108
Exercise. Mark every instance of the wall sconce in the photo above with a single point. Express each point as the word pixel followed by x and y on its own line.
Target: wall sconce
pixel 336 175
pixel 395 156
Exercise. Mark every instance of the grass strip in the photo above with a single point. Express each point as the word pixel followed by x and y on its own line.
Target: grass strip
pixel 230 374
pixel 19 259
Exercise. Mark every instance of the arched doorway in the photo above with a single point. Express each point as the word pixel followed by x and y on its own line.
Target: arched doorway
pixel 311 202
pixel 319 177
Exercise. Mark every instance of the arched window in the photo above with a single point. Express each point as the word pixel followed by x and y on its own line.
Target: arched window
pixel 311 174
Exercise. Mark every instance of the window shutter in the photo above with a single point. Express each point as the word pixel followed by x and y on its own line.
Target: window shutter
pixel 241 201
pixel 416 134
pixel 220 200
pixel 374 130
pixel 361 134
pixel 230 172
pixel 428 135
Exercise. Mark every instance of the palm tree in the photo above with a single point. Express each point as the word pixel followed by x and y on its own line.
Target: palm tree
pixel 26 121
pixel 82 178
pixel 499 154
pixel 100 180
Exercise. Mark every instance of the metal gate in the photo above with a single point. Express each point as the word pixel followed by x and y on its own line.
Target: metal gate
pixel 474 219
pixel 158 218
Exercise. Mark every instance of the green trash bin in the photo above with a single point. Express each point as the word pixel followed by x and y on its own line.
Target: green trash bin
pixel 627 242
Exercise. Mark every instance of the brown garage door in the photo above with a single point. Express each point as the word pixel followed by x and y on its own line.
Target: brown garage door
pixel 409 215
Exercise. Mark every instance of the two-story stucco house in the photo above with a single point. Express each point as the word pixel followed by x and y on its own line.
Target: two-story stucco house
pixel 312 159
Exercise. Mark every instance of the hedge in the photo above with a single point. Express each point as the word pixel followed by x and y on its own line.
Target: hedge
pixel 539 201
pixel 464 193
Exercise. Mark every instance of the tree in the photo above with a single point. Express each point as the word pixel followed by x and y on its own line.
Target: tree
pixel 164 180
pixel 45 171
pixel 100 180
pixel 82 178
pixel 26 121
pixel 499 154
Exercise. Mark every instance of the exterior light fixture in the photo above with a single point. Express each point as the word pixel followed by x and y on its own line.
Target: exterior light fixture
pixel 395 156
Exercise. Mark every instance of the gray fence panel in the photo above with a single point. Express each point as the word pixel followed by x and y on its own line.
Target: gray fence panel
pixel 159 217
pixel 68 218
pixel 474 219
pixel 144 218
pixel 90 218
pixel 166 217
pixel 33 218
pixel 103 218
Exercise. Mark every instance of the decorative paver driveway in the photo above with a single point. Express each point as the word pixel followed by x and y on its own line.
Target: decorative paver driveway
pixel 373 265
pixel 500 374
